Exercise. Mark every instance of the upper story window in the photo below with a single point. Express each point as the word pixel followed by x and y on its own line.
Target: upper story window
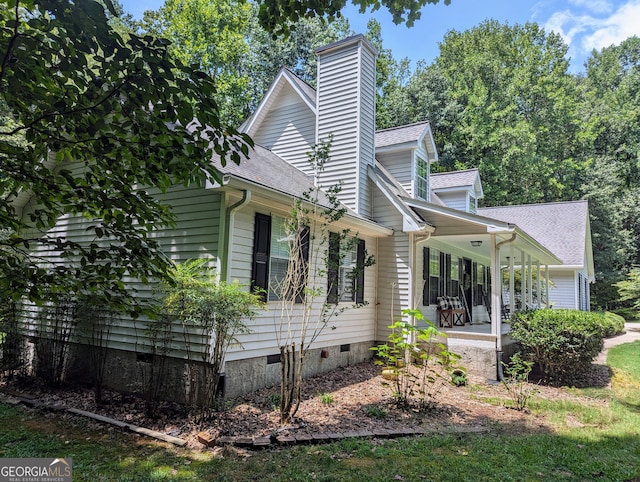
pixel 421 181
pixel 473 204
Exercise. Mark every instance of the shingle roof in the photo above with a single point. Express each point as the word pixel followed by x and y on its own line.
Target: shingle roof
pixel 266 169
pixel 560 227
pixel 400 135
pixel 444 180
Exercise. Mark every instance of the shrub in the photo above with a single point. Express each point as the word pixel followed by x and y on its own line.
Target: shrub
pixel 416 362
pixel 516 381
pixel 612 324
pixel 563 343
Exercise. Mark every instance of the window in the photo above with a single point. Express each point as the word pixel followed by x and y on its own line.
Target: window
pixel 421 181
pixel 454 276
pixel 431 275
pixel 271 255
pixel 473 204
pixel 346 270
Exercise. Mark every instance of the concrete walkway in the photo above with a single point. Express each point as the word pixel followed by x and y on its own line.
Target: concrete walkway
pixel 631 334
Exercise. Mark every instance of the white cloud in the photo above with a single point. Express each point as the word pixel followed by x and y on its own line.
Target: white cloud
pixel 596 6
pixel 584 30
pixel 622 24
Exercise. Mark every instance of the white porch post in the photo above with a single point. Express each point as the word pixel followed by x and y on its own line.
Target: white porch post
pixel 538 285
pixel 523 280
pixel 529 282
pixel 512 282
pixel 496 289
pixel 546 287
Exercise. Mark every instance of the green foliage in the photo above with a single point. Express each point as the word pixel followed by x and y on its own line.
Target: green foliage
pixel 419 363
pixel 612 324
pixel 373 411
pixel 459 377
pixel 563 343
pixel 326 398
pixel 92 116
pixel 516 381
pixel 282 17
pixel 518 111
pixel 212 314
pixel 629 289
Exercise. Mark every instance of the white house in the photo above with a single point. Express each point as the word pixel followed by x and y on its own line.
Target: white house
pixel 426 232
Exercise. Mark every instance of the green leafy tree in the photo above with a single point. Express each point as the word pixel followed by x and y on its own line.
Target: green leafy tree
pixel 611 113
pixel 282 16
pixel 519 119
pixel 92 117
pixel 211 35
pixel 629 289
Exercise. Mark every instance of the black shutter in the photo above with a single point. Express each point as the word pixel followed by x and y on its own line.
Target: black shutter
pixel 261 252
pixel 332 269
pixel 425 276
pixel 303 240
pixel 360 273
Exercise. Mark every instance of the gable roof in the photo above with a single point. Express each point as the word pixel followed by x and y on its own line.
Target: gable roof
pixel 411 133
pixel 444 180
pixel 562 227
pixel 284 78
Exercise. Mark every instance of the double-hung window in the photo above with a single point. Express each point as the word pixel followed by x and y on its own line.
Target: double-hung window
pixel 421 182
pixel 345 280
pixel 273 272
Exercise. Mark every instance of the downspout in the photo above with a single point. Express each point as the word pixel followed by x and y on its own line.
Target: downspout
pixel 498 313
pixel 246 198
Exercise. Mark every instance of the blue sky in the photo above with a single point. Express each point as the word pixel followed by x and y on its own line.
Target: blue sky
pixel 584 24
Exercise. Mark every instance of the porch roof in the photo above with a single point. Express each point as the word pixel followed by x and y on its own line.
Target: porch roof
pixel 459 228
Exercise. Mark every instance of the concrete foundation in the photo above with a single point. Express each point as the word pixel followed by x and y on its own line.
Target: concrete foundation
pixel 478 352
pixel 135 373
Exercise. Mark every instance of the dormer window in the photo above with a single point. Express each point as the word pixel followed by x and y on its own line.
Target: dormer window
pixel 421 182
pixel 473 204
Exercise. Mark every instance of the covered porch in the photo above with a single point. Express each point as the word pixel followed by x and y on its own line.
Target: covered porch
pixel 490 269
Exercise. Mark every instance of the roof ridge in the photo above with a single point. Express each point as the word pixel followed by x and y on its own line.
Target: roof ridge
pixel 401 127
pixel 575 201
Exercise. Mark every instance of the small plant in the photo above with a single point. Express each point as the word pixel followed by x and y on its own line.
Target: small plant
pixel 416 363
pixel 373 411
pixel 516 381
pixel 326 398
pixel 274 401
pixel 459 377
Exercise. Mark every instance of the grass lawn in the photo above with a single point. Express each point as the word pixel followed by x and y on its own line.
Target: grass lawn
pixel 597 440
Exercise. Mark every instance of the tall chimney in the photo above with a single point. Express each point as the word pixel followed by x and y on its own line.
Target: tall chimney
pixel 346 110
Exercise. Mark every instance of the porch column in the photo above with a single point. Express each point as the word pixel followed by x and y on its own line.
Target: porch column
pixel 512 282
pixel 546 286
pixel 523 281
pixel 496 289
pixel 529 282
pixel 538 285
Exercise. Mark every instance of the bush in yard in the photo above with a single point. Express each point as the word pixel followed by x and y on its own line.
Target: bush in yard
pixel 417 362
pixel 612 324
pixel 563 343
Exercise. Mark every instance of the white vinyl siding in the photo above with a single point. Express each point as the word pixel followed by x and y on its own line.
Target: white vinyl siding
pixel 394 270
pixel 346 111
pixel 195 235
pixel 563 289
pixel 289 130
pixel 351 326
